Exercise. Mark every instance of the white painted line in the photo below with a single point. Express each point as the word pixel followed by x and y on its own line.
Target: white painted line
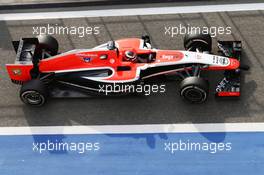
pixel 133 129
pixel 133 11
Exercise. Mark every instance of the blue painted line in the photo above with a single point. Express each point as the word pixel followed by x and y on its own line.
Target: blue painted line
pixel 130 154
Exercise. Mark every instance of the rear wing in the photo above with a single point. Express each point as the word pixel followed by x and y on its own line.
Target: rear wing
pixel 230 86
pixel 26 57
pixel 25 49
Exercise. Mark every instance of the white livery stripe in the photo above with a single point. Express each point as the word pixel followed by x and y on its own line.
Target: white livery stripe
pixel 118 129
pixel 134 11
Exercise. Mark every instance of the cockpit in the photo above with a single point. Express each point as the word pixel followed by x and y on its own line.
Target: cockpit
pixel 133 56
pixel 131 50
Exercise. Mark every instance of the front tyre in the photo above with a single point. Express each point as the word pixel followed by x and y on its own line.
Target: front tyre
pixel 202 42
pixel 194 89
pixel 34 93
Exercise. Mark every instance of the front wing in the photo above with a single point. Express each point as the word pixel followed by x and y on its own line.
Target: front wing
pixel 229 86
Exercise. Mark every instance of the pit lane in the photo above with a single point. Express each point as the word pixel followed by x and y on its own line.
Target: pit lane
pixel 157 108
pixel 129 149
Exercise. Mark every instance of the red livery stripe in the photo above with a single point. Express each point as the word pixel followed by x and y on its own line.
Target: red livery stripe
pixel 228 94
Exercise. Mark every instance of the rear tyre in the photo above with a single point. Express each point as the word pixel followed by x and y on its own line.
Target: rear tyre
pixel 202 42
pixel 34 93
pixel 49 44
pixel 194 89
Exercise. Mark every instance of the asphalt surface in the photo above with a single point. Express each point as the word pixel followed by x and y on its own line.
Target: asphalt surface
pixel 157 108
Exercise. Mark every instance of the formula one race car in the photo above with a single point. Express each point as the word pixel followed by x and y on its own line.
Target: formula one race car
pixel 43 72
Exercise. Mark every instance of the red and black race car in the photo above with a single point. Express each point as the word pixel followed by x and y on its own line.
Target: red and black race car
pixel 43 72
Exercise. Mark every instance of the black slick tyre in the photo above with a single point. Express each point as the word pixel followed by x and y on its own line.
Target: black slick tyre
pixel 49 44
pixel 202 42
pixel 34 93
pixel 194 89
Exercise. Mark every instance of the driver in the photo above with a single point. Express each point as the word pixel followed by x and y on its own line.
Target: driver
pixel 130 55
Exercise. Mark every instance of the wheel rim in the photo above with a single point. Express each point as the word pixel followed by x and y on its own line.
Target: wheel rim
pixel 194 94
pixel 33 98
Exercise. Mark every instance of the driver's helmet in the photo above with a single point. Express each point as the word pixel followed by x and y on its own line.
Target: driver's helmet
pixel 130 55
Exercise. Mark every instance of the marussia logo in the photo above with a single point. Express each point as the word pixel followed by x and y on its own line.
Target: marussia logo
pixel 87 59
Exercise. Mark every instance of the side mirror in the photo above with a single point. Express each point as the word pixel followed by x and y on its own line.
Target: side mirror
pixel 146 39
pixel 111 45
